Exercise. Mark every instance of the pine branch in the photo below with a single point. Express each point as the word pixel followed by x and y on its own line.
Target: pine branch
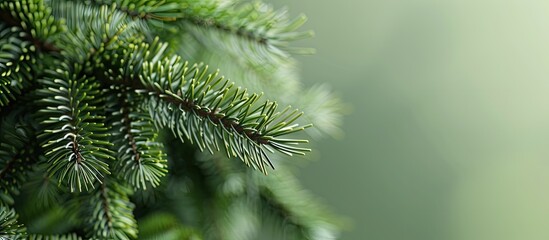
pixel 80 61
pixel 140 159
pixel 255 21
pixel 92 32
pixel 109 213
pixel 239 59
pixel 182 98
pixel 9 227
pixel 125 64
pixel 10 20
pixel 209 112
pixel 251 152
pixel 15 59
pixel 74 137
pixel 242 40
pixel 145 9
pixel 35 19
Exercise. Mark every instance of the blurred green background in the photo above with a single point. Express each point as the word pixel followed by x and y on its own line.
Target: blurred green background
pixel 448 137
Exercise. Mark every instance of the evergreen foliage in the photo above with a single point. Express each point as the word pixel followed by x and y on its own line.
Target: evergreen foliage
pixel 112 126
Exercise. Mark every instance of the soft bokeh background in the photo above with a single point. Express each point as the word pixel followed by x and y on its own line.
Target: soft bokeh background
pixel 449 133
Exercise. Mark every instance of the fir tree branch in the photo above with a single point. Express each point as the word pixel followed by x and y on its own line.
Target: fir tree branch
pixel 183 98
pixel 103 59
pixel 109 213
pixel 105 205
pixel 256 22
pixel 203 112
pixel 225 115
pixel 15 61
pixel 128 131
pixel 73 138
pixel 250 153
pixel 145 10
pixel 43 46
pixel 32 22
pixel 104 29
pixel 9 226
pixel 140 157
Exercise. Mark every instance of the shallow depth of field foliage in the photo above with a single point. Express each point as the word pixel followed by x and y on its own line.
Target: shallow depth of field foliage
pixel 115 123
